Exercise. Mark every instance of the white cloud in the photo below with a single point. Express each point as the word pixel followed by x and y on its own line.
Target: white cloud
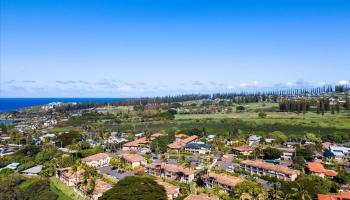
pixel 343 82
pixel 256 83
pixel 290 83
pixel 243 85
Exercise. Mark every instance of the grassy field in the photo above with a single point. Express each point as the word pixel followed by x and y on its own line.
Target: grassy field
pixel 293 124
pixel 63 191
pixel 339 121
pixel 270 115
pixel 248 121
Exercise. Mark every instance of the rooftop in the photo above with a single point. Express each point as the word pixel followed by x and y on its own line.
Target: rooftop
pixel 269 166
pixel 177 168
pixel 254 138
pixel 342 196
pixel 133 158
pixel 190 139
pixel 318 168
pixel 155 135
pixel 169 188
pixel 175 145
pixel 197 145
pixel 96 157
pixel 171 168
pixel 101 186
pixel 34 170
pixel 244 148
pixel 181 136
pixel 136 143
pixel 224 179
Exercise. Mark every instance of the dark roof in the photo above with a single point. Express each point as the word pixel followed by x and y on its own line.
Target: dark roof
pixel 196 145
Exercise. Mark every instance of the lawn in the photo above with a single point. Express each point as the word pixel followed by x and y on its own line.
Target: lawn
pixel 63 191
pixel 291 123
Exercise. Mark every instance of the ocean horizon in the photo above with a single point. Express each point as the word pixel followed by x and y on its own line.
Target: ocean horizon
pixel 12 104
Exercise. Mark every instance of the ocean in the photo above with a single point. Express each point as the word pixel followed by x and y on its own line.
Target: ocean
pixel 11 104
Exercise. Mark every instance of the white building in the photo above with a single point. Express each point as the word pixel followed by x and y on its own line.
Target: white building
pixel 339 152
pixel 197 147
pixel 253 139
pixel 97 160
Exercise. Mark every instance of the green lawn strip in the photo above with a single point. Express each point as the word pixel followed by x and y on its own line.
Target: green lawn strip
pixel 63 191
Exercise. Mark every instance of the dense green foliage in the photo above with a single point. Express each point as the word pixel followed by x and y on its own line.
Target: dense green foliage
pixel 310 186
pixel 16 187
pixel 250 188
pixel 90 152
pixel 271 153
pixel 343 177
pixel 159 144
pixel 69 138
pixel 135 188
pixel 306 152
pixel 279 137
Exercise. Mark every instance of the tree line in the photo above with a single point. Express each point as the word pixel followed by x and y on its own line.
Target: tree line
pixel 273 96
pixel 320 105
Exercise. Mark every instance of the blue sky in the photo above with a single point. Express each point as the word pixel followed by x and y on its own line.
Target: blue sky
pixel 110 48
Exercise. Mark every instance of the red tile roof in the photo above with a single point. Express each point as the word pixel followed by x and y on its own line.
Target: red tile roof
pixel 171 168
pixel 317 167
pixel 326 144
pixel 134 158
pixel 225 179
pixel 96 157
pixel 181 136
pixel 270 166
pixel 137 142
pixel 180 143
pixel 156 135
pixel 190 139
pixel 169 188
pixel 175 145
pixel 342 196
pixel 101 186
pixel 177 168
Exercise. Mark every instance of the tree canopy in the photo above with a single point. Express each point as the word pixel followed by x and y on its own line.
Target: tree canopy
pixel 271 153
pixel 251 188
pixel 309 186
pixel 160 144
pixel 17 187
pixel 69 138
pixel 135 188
pixel 279 137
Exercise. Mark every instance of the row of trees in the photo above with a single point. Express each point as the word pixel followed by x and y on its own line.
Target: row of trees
pixel 321 105
pixel 236 97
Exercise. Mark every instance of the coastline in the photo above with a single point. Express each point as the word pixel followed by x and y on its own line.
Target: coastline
pixel 13 104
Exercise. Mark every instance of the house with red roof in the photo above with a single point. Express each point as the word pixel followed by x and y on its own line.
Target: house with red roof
pixel 326 145
pixel 342 196
pixel 317 168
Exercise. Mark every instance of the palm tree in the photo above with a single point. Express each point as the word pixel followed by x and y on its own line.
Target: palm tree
pixel 301 193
